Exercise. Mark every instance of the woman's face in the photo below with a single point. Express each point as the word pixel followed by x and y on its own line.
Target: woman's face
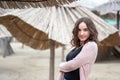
pixel 83 32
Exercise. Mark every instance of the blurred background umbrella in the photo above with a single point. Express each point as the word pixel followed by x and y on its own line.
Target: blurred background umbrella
pixel 91 4
pixel 113 6
pixel 5 39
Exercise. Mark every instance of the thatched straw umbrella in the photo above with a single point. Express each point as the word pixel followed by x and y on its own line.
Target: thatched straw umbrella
pixel 39 42
pixel 5 39
pixel 54 17
pixel 57 20
pixel 112 6
pixel 32 3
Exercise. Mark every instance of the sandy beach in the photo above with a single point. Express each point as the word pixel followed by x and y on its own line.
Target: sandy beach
pixel 31 64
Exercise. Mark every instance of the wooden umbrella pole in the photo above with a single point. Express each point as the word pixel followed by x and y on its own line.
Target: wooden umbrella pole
pixel 52 60
pixel 5 49
pixel 118 20
pixel 63 49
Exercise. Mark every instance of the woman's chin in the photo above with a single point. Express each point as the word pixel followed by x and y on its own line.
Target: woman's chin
pixel 82 40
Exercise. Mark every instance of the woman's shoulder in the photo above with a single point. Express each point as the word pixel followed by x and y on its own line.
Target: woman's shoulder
pixel 91 43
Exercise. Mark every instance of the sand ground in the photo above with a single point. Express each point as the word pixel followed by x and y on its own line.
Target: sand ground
pixel 30 64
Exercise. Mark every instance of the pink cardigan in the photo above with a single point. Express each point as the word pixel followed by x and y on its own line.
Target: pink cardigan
pixel 83 61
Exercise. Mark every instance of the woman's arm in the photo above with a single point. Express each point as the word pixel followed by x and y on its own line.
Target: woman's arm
pixel 87 55
pixel 60 76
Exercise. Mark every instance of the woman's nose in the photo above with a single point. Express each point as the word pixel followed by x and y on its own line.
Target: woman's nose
pixel 81 32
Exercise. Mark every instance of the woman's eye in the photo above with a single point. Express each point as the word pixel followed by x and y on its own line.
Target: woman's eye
pixel 79 30
pixel 85 29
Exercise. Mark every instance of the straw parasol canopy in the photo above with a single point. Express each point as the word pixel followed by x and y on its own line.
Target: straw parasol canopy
pixel 57 23
pixel 28 35
pixel 32 3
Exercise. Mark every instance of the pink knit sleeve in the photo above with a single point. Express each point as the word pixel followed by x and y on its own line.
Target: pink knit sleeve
pixel 60 76
pixel 87 55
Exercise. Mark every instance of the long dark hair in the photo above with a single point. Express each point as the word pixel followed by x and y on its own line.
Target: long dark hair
pixel 91 27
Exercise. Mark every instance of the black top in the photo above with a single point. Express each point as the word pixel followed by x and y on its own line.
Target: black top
pixel 73 75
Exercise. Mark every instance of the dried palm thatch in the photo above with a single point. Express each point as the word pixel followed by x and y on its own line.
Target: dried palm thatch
pixel 62 19
pixel 32 3
pixel 3 31
pixel 58 23
pixel 27 34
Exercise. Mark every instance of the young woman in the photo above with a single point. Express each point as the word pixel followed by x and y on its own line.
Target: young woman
pixel 80 60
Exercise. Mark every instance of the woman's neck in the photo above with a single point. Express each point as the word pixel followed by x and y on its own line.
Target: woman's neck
pixel 81 43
